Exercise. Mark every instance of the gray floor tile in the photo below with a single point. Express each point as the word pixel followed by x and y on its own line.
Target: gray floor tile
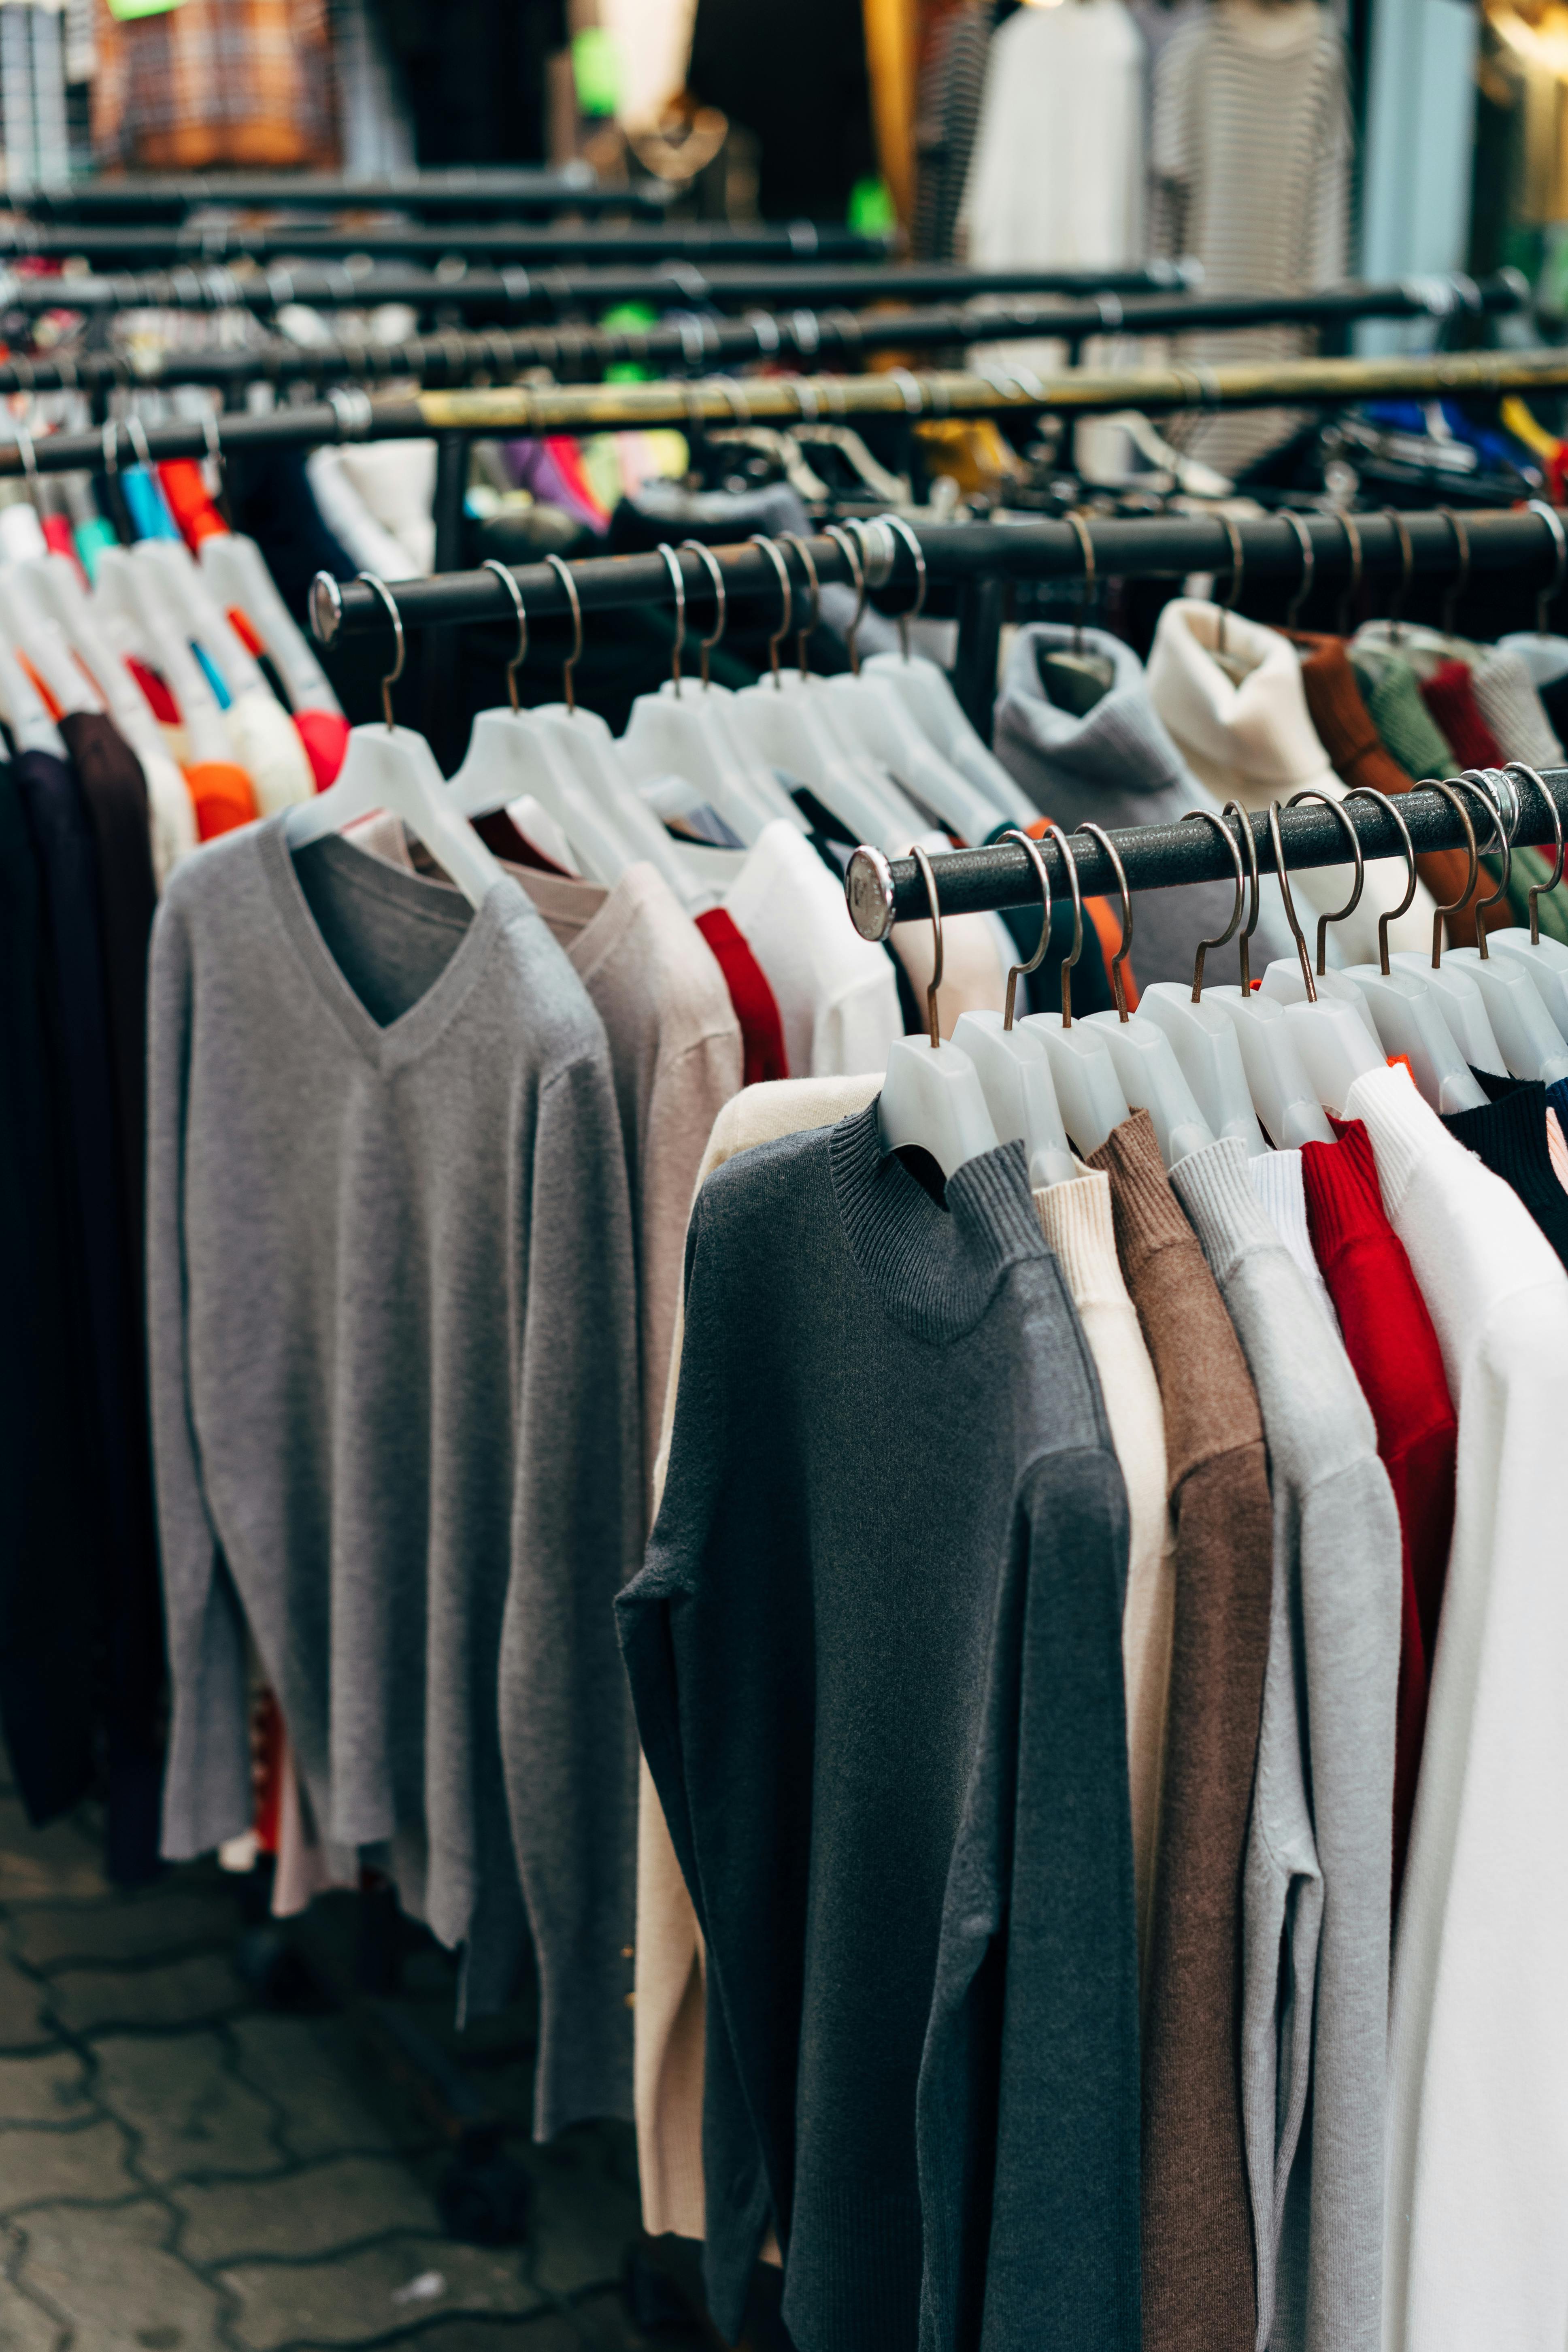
pixel 88 2162
pixel 135 1927
pixel 315 2069
pixel 309 2213
pixel 25 2327
pixel 51 1865
pixel 108 2274
pixel 48 2089
pixel 192 1991
pixel 180 2095
pixel 363 2296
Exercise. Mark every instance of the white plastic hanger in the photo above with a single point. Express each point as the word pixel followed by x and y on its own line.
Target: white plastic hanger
pixel 588 746
pixel 793 732
pixel 23 706
pixel 392 768
pixel 1546 960
pixel 32 631
pixel 1088 1091
pixel 1288 1110
pixel 148 626
pixel 205 622
pixel 1140 1053
pixel 1015 1074
pixel 509 759
pixel 1531 1044
pixel 928 690
pixel 1335 1038
pixel 1407 1015
pixel 1202 1040
pixel 931 1096
pixel 58 590
pixel 692 735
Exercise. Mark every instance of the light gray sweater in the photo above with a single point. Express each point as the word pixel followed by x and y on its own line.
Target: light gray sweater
pixel 393 1357
pixel 1115 766
pixel 1318 1865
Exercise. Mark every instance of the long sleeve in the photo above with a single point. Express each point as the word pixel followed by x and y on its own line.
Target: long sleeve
pixel 566 1734
pixel 206 1786
pixel 687 1095
pixel 1036 2015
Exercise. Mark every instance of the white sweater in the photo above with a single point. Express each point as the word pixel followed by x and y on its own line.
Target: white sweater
pixel 1477 2248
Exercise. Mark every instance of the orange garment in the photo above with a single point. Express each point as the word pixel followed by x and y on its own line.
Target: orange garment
pixel 188 501
pixel 222 796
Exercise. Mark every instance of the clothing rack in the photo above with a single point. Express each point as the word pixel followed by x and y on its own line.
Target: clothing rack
pixel 585 353
pixel 352 416
pixel 668 282
pixel 233 240
pixel 465 192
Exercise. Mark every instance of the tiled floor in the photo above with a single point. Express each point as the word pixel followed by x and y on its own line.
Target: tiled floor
pixel 184 2169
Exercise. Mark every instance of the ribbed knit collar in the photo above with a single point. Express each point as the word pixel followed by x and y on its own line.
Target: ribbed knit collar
pixel 1075 1219
pixel 1275 1181
pixel 1120 742
pixel 1258 732
pixel 1404 1129
pixel 934 1270
pixel 1344 1204
pixel 1215 1190
pixel 1147 1213
pixel 1510 1135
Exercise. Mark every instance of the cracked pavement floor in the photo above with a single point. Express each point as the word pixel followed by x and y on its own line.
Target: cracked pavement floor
pixel 186 2169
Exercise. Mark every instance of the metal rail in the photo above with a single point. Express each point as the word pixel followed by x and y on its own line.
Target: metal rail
pixel 452 358
pixel 531 243
pixel 468 192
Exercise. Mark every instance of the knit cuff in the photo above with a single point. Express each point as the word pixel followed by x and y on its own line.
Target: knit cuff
pixel 1147 1213
pixel 1404 1129
pixel 1075 1219
pixel 1215 1190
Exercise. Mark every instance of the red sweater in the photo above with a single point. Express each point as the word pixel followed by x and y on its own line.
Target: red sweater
pixel 1392 1347
pixel 756 1006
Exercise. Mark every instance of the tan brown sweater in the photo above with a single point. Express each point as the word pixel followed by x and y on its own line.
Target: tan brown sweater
pixel 1199 2277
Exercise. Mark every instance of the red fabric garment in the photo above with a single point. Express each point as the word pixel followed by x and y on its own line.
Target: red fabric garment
pixel 60 539
pixel 189 503
pixel 1450 696
pixel 756 1007
pixel 325 735
pixel 165 709
pixel 1392 1347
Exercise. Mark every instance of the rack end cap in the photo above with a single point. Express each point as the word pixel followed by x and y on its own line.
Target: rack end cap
pixel 868 893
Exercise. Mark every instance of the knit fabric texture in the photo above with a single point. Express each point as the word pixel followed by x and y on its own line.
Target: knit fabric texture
pixel 1510 1135
pixel 1450 697
pixel 1412 736
pixel 1316 1908
pixel 1393 1348
pixel 921 2049
pixel 1199 2276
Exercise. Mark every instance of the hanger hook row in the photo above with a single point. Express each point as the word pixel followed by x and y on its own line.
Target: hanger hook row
pixel 1054 832
pixel 1118 981
pixel 848 547
pixel 503 574
pixel 1474 780
pixel 1543 889
pixel 563 573
pixel 715 572
pixel 786 594
pixel 1018 972
pixel 1212 817
pixel 1390 914
pixel 1283 871
pixel 1452 906
pixel 395 672
pixel 1336 810
pixel 808 565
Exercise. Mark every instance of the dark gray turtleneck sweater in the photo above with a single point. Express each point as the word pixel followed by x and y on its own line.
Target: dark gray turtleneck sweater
pixel 1118 766
pixel 875 1653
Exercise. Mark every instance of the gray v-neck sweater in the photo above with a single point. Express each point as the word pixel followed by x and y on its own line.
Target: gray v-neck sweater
pixel 394 1355
pixel 876 1656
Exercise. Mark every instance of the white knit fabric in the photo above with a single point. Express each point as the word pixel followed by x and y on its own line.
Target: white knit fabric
pixel 838 994
pixel 1255 741
pixel 1477 2248
pixel 1281 1195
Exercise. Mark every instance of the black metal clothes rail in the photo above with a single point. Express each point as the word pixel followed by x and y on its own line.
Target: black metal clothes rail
pixel 350 414
pixel 668 284
pixel 882 891
pixel 471 191
pixel 534 244
pixel 578 353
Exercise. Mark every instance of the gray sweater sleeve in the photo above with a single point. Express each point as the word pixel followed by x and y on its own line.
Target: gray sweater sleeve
pixel 567 1736
pixel 208 1786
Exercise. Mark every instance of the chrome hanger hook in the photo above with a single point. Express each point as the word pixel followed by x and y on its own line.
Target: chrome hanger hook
pixel 395 672
pixel 1392 914
pixel 1064 841
pixel 492 564
pixel 678 581
pixel 1118 984
pixel 808 565
pixel 1212 816
pixel 1304 586
pixel 1431 784
pixel 1021 970
pixel 896 522
pixel 929 877
pixel 1297 933
pixel 706 645
pixel 1543 889
pixel 1353 901
pixel 1352 586
pixel 1473 780
pixel 786 592
pixel 563 573
pixel 1077 524
pixel 847 547
pixel 1249 843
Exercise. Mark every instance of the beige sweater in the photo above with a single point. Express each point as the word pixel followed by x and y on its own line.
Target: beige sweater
pixel 1077 1221
pixel 668 2042
pixel 675 1050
